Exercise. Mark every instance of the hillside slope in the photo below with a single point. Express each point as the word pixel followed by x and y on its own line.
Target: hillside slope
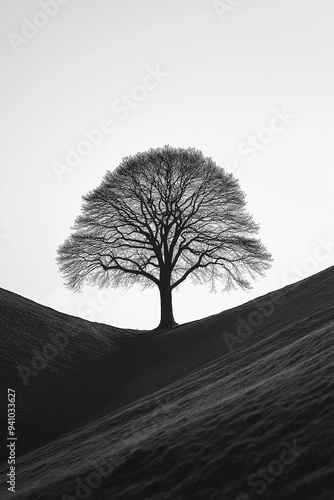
pixel 194 412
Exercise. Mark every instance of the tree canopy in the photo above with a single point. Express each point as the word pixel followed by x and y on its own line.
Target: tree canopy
pixel 163 215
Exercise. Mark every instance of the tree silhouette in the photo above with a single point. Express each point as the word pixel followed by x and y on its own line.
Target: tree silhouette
pixel 161 216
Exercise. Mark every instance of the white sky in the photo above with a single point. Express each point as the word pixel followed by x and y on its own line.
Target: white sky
pixel 225 76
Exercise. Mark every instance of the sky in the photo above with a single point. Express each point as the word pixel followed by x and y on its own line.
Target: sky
pixel 86 83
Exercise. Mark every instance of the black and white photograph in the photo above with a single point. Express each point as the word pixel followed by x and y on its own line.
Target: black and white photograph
pixel 167 250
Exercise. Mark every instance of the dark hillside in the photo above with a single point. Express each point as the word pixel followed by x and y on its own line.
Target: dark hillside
pixel 187 413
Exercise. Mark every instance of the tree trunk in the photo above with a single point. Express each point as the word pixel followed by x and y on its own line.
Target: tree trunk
pixel 166 306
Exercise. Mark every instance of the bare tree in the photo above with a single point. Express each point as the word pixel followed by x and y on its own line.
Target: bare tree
pixel 161 216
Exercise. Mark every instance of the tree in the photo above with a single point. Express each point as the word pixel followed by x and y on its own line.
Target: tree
pixel 159 217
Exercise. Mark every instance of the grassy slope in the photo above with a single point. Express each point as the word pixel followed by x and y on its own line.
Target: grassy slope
pixel 182 416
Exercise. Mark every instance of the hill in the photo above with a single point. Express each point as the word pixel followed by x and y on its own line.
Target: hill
pixel 233 406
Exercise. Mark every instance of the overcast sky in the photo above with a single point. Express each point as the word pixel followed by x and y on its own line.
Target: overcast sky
pixel 251 85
